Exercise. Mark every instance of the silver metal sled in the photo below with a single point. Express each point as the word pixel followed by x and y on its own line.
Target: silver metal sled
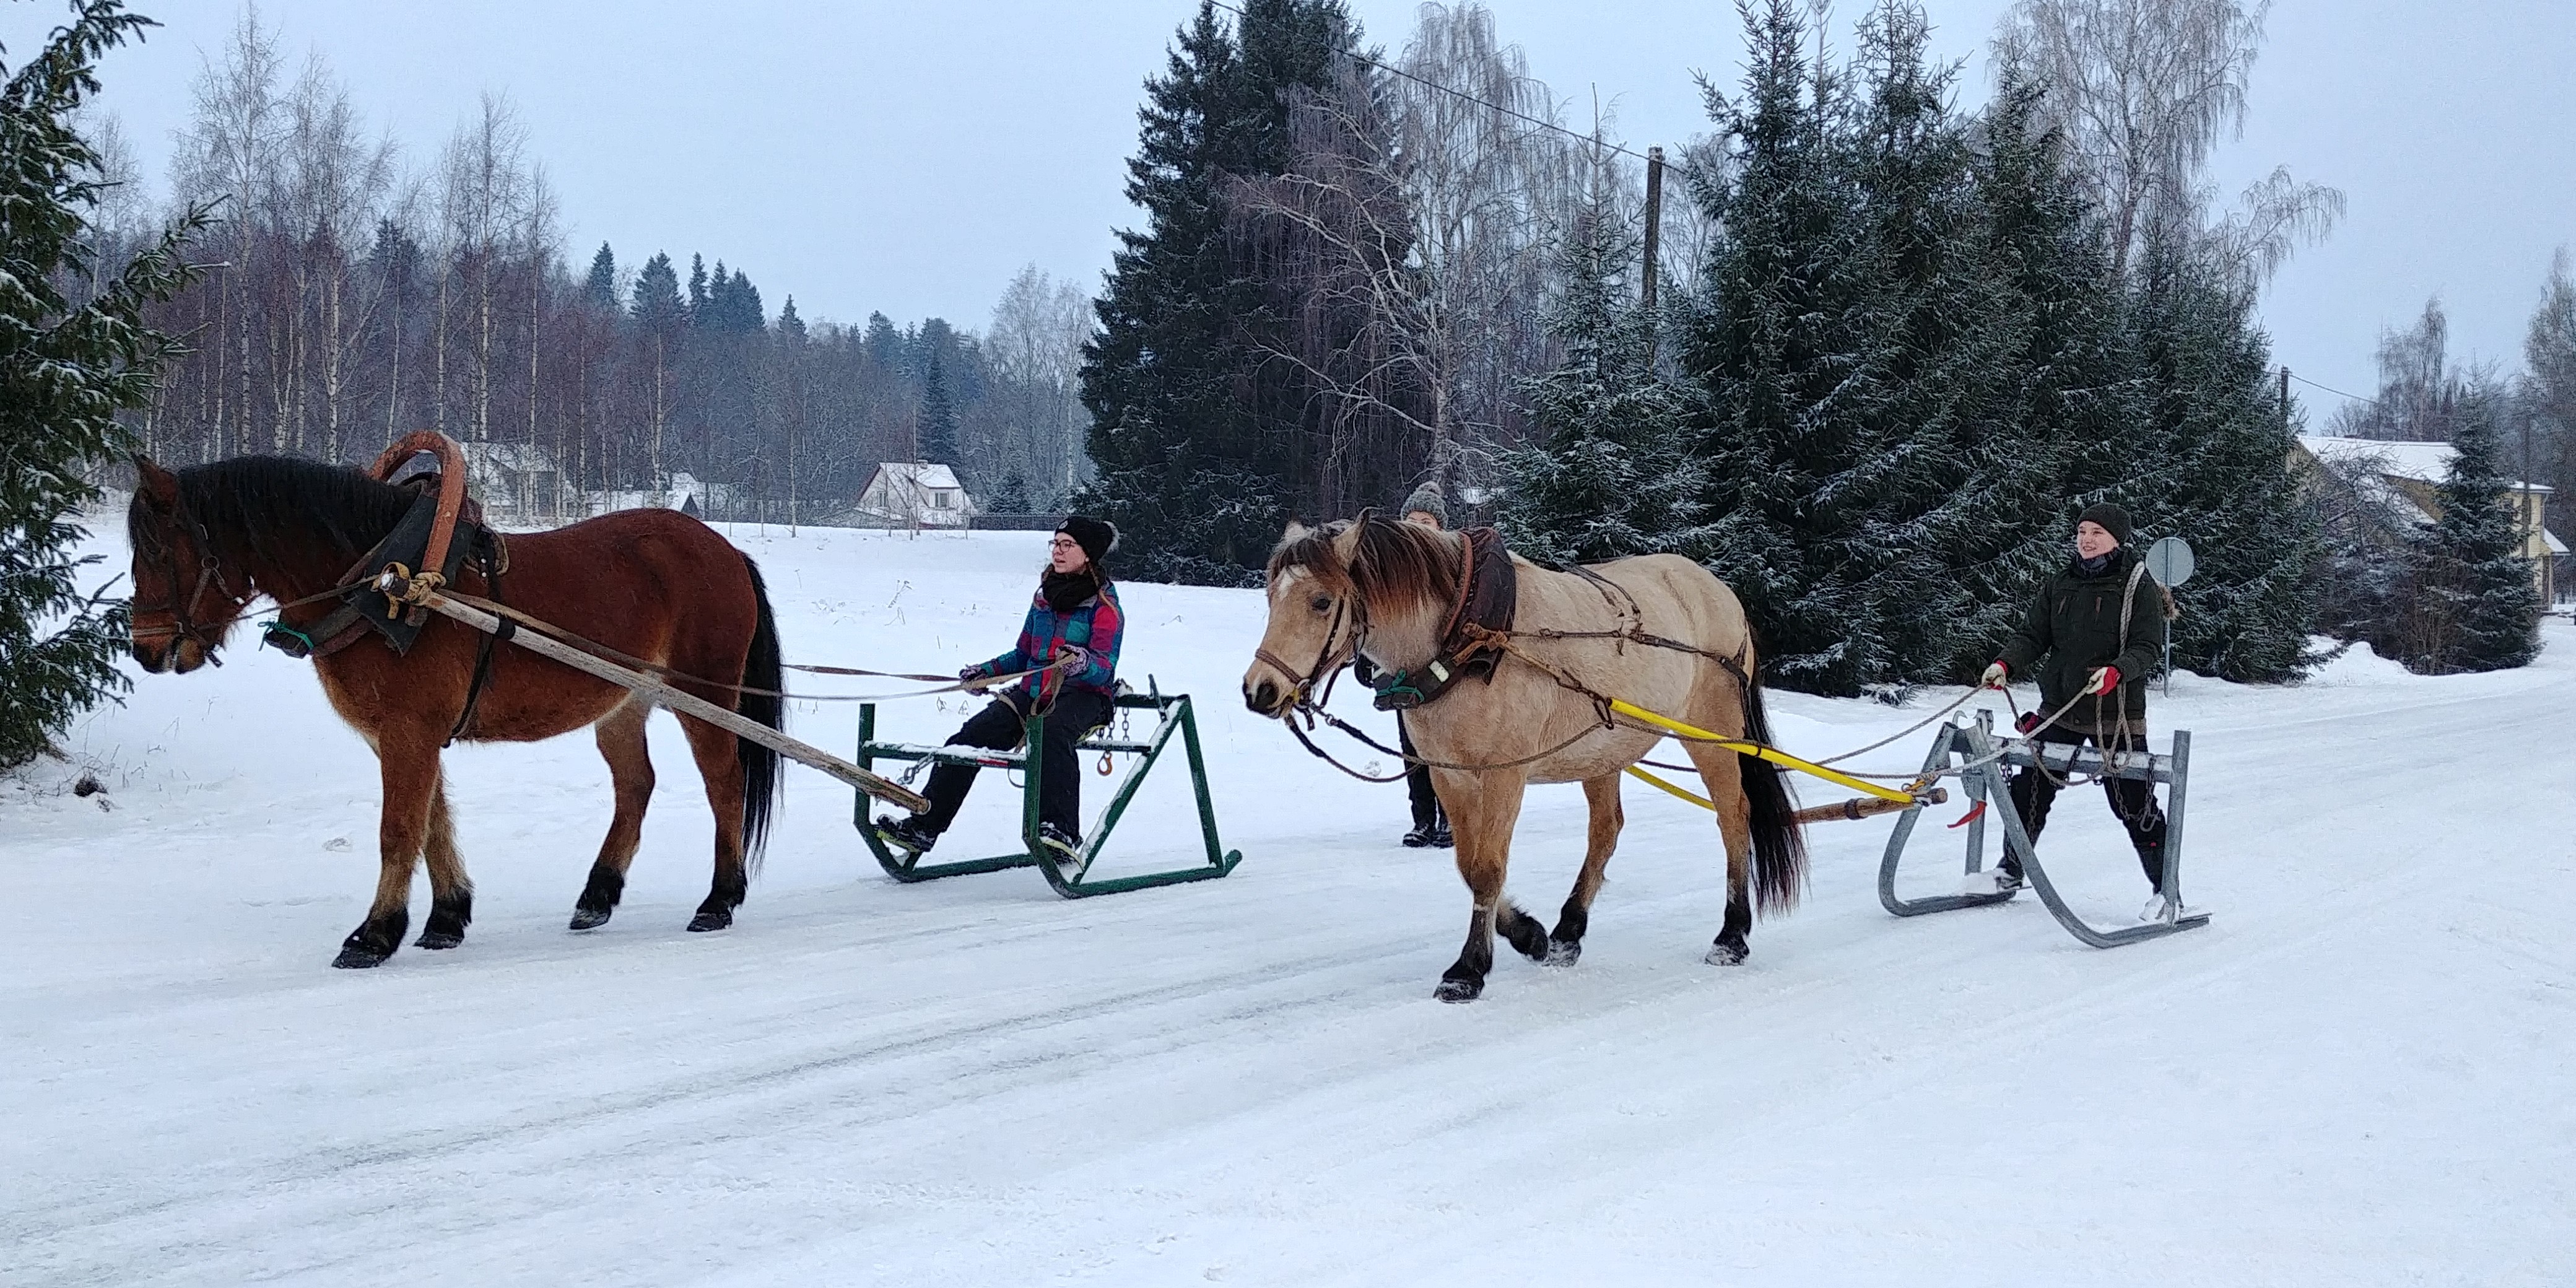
pixel 1983 759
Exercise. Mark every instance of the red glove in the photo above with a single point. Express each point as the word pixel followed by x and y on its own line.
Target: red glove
pixel 2106 679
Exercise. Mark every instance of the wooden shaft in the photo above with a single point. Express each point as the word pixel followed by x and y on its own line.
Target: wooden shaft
pixel 884 789
pixel 1864 807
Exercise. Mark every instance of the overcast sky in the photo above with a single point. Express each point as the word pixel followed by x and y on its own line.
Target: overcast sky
pixel 909 157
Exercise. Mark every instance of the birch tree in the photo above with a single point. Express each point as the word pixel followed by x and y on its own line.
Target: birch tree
pixel 2144 91
pixel 333 193
pixel 225 158
pixel 485 204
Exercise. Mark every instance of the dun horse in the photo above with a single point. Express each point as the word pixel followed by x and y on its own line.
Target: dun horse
pixel 650 583
pixel 1390 590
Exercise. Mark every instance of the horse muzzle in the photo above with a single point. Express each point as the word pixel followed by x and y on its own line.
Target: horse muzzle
pixel 171 656
pixel 1264 698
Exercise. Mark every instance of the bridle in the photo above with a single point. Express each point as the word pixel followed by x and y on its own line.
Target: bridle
pixel 183 617
pixel 1347 610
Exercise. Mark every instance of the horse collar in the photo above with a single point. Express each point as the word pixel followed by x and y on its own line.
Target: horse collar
pixel 1479 618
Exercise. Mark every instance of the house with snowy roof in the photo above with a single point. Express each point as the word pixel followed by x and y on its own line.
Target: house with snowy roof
pixel 912 494
pixel 2406 478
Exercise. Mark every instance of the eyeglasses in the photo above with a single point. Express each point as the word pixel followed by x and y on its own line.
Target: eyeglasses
pixel 1063 543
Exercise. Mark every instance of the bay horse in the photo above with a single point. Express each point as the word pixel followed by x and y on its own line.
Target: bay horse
pixel 1387 590
pixel 210 539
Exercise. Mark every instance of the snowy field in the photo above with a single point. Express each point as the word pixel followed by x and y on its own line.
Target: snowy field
pixel 2364 1071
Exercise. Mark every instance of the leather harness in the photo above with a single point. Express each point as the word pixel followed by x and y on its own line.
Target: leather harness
pixel 1487 600
pixel 427 538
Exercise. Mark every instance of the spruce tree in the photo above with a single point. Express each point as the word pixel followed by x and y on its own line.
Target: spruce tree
pixel 66 370
pixel 601 290
pixel 2475 605
pixel 883 343
pixel 1194 434
pixel 2057 390
pixel 1921 314
pixel 2209 460
pixel 1611 476
pixel 656 304
pixel 1011 496
pixel 1769 348
pixel 935 426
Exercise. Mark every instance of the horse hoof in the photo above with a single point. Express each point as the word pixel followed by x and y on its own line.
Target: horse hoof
pixel 1725 954
pixel 1563 952
pixel 710 921
pixel 1459 990
pixel 438 939
pixel 589 918
pixel 359 957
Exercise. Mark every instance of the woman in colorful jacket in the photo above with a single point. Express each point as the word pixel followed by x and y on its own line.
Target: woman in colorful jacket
pixel 1070 641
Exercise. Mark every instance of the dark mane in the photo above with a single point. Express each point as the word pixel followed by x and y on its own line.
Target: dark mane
pixel 1396 564
pixel 253 500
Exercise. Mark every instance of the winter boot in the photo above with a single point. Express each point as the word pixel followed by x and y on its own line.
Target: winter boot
pixel 1066 846
pixel 1426 823
pixel 910 835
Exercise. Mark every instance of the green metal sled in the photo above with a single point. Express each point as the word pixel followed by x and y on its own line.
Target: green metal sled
pixel 1069 880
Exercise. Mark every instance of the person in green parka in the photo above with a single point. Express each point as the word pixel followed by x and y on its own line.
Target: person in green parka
pixel 2092 631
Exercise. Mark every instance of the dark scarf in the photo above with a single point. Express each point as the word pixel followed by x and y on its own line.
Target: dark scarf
pixel 2094 567
pixel 1066 591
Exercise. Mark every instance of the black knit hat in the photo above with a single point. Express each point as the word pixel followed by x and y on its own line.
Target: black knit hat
pixel 2113 519
pixel 1097 537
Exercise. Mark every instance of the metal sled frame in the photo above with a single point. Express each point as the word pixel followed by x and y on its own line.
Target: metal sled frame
pixel 1068 879
pixel 1985 783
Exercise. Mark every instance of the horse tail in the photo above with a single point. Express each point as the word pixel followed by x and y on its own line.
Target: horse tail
pixel 762 679
pixel 1779 844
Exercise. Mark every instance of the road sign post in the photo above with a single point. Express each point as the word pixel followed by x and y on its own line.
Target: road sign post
pixel 2170 562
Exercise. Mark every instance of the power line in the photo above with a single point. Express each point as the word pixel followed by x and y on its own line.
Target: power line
pixel 2328 388
pixel 1464 96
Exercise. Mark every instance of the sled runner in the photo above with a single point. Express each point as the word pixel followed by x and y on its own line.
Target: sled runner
pixel 1980 762
pixel 1068 874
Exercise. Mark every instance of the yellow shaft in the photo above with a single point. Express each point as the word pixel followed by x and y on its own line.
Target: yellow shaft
pixel 1772 754
pixel 1693 797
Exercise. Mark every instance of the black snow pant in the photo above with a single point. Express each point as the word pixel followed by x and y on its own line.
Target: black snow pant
pixel 1001 727
pixel 1417 784
pixel 2132 799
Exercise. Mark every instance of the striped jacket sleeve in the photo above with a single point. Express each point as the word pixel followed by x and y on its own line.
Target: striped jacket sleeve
pixel 1108 630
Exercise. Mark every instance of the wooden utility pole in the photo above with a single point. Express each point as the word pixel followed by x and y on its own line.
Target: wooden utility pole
pixel 1654 222
pixel 2285 400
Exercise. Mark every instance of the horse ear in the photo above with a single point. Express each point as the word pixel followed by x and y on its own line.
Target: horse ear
pixel 155 482
pixel 1346 543
pixel 1296 532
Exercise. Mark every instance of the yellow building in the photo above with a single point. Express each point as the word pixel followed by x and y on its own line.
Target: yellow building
pixel 2406 476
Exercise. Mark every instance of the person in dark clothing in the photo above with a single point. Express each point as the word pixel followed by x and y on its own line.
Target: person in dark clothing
pixel 1070 640
pixel 2091 632
pixel 1430 821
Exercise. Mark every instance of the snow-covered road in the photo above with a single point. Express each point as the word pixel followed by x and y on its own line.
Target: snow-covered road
pixel 2360 1073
